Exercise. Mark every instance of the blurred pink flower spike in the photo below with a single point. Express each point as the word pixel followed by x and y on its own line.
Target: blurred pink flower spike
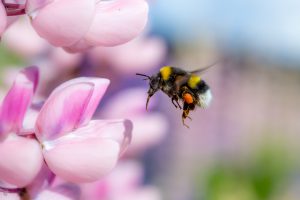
pixel 75 148
pixel 20 165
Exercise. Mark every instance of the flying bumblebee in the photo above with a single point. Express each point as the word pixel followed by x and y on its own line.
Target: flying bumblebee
pixel 180 86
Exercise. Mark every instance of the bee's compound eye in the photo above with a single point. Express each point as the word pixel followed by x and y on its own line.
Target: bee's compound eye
pixel 188 98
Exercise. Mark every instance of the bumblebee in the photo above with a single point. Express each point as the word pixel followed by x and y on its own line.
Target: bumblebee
pixel 181 86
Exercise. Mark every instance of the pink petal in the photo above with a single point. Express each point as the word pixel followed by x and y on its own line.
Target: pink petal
pixel 69 106
pixel 17 100
pixel 3 18
pixel 88 153
pixel 20 165
pixel 117 22
pixel 64 22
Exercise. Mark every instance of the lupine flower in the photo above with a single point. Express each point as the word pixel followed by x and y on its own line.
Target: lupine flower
pixel 75 147
pixel 21 157
pixel 77 25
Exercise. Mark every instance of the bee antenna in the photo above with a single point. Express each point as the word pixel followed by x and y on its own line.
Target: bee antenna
pixel 148 77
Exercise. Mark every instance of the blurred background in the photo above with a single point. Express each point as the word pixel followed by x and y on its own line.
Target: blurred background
pixel 245 145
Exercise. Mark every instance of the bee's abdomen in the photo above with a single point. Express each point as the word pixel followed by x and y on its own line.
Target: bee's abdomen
pixel 202 87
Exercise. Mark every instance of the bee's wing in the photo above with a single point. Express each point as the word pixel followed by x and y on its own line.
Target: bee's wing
pixel 181 80
pixel 203 69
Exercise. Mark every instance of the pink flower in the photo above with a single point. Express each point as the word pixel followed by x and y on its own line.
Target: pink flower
pixel 16 150
pixel 77 25
pixel 76 148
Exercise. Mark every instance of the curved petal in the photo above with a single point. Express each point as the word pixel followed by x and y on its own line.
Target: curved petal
pixel 19 166
pixel 64 22
pixel 17 100
pixel 117 22
pixel 88 153
pixel 69 106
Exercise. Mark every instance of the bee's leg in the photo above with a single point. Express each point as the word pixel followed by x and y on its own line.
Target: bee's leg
pixel 148 98
pixel 178 104
pixel 173 102
pixel 184 124
pixel 185 114
pixel 176 100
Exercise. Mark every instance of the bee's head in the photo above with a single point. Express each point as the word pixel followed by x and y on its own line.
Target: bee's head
pixel 154 85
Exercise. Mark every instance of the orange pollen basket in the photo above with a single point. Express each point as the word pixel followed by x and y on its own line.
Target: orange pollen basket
pixel 188 98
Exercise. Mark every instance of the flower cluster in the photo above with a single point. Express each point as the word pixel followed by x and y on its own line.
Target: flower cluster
pixel 61 133
pixel 50 147
pixel 77 25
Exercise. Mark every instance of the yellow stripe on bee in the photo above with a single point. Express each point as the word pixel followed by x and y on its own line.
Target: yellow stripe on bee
pixel 165 72
pixel 193 81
